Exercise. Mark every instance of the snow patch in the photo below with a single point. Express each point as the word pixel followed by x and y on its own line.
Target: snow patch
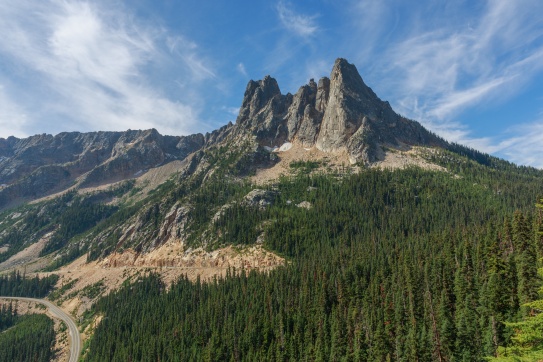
pixel 285 147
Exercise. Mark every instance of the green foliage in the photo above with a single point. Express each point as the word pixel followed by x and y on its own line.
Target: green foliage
pixel 205 202
pixel 386 265
pixel 32 223
pixel 8 316
pixel 30 339
pixel 93 290
pixel 526 344
pixel 66 217
pixel 16 285
pixel 58 293
pixel 79 216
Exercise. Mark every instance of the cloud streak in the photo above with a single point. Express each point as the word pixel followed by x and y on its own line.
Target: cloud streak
pixel 241 69
pixel 437 70
pixel 299 24
pixel 90 65
pixel 12 116
pixel 452 68
pixel 522 144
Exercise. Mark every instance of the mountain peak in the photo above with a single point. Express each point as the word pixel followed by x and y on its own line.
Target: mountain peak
pixel 257 95
pixel 339 114
pixel 346 77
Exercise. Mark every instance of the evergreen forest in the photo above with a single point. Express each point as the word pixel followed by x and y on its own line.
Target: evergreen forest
pixel 25 337
pixel 17 285
pixel 405 265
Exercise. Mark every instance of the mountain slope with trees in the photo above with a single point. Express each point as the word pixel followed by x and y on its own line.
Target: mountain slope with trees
pixel 402 264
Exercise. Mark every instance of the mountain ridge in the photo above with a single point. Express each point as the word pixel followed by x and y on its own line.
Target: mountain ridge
pixel 290 233
pixel 337 114
pixel 293 181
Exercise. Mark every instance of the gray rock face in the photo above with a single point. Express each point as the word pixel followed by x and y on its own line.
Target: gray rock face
pixel 259 198
pixel 339 114
pixel 305 97
pixel 218 135
pixel 350 100
pixel 263 112
pixel 309 126
pixel 42 164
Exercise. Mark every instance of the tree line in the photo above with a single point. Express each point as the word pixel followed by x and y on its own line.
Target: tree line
pixel 16 284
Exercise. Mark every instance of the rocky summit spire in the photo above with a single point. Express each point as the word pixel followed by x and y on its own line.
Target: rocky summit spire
pixel 263 111
pixel 348 93
pixel 339 114
pixel 257 95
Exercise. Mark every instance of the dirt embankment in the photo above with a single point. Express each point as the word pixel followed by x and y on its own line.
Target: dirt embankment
pixel 81 282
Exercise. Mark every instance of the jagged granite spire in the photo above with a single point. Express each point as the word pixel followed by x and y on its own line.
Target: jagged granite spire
pixel 263 111
pixel 349 102
pixel 339 114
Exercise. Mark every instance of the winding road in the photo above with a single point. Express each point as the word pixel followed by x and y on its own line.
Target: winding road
pixel 75 337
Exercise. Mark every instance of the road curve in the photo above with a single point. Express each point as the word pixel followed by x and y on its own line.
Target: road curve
pixel 75 337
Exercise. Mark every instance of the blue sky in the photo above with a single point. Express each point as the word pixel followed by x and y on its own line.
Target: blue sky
pixel 471 71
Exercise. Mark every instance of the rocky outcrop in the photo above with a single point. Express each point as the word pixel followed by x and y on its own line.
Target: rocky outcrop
pixel 339 114
pixel 263 112
pixel 259 198
pixel 39 165
pixel 304 98
pixel 351 104
pixel 305 205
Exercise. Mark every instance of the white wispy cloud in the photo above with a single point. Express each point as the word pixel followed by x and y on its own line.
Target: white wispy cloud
pixel 453 101
pixel 317 68
pixel 522 144
pixel 453 68
pixel 231 111
pixel 370 21
pixel 188 52
pixel 89 63
pixel 436 70
pixel 241 69
pixel 299 24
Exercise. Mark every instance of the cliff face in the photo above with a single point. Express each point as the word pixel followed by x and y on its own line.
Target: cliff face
pixel 42 164
pixel 339 114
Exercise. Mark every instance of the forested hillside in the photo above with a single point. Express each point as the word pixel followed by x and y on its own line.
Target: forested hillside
pixel 25 337
pixel 382 265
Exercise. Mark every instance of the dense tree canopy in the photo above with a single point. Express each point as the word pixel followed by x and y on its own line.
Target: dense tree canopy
pixel 25 337
pixel 404 265
pixel 17 285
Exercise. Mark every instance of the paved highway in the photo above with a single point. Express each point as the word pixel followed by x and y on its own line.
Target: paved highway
pixel 75 337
